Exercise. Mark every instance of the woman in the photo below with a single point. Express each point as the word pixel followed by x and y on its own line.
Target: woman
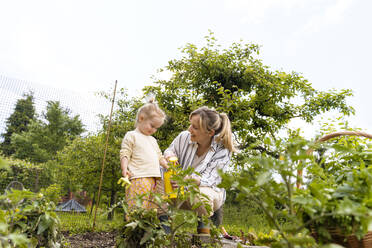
pixel 207 146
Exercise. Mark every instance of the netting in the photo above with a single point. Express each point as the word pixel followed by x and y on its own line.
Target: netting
pixel 88 106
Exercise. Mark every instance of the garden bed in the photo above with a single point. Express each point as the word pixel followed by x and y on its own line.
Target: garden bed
pixel 107 240
pixel 91 239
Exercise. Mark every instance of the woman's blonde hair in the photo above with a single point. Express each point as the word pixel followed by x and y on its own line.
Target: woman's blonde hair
pixel 210 120
pixel 150 110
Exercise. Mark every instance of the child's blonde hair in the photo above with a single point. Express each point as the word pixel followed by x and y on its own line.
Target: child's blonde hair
pixel 150 110
pixel 210 120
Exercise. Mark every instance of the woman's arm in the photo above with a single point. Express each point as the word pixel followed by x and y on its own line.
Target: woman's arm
pixel 209 171
pixel 175 147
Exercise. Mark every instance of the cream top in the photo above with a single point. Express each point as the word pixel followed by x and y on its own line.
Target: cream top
pixel 143 154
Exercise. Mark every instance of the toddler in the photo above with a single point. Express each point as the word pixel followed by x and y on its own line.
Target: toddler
pixel 140 155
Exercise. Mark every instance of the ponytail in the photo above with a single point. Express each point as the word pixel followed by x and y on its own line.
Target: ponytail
pixel 225 133
pixel 150 110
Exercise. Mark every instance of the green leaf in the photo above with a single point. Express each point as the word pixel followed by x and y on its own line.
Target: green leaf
pixel 263 178
pixel 19 240
pixel 146 236
pixel 132 224
pixel 44 224
pixel 332 246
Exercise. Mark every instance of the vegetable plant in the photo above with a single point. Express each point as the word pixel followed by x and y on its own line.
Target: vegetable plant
pixel 28 218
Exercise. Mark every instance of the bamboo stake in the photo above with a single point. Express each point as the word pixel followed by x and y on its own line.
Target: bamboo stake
pixel 104 157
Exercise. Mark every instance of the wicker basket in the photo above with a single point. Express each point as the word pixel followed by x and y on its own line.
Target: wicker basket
pixel 337 237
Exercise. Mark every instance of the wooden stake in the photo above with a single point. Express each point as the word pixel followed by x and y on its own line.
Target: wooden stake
pixel 104 157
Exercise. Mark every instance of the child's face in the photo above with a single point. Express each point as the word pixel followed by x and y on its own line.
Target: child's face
pixel 150 125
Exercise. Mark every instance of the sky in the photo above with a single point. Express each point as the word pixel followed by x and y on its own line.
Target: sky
pixel 84 46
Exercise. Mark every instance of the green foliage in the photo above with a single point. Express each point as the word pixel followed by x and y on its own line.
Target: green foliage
pixel 3 164
pixel 234 80
pixel 269 182
pixel 78 166
pixel 32 176
pixel 75 223
pixel 339 191
pixel 245 216
pixel 9 239
pixel 28 218
pixel 52 193
pixel 18 121
pixel 142 230
pixel 44 138
pixel 336 192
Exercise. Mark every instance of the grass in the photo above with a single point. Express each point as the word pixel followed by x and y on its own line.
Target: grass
pixel 83 222
pixel 236 217
pixel 244 217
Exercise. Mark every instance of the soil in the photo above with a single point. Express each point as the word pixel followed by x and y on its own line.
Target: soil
pixel 107 240
pixel 91 240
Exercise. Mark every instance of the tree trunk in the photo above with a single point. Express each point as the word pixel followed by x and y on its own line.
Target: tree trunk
pixel 110 216
pixel 93 202
pixel 36 186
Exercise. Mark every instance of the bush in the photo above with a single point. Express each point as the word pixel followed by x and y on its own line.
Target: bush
pixel 32 176
pixel 52 193
pixel 30 214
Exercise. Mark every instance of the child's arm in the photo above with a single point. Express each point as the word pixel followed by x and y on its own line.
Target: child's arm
pixel 125 153
pixel 124 167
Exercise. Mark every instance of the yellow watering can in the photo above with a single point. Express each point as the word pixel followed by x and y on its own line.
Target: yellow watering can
pixel 167 176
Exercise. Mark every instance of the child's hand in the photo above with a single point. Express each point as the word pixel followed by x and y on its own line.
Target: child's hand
pixel 124 181
pixel 173 159
pixel 126 173
pixel 164 163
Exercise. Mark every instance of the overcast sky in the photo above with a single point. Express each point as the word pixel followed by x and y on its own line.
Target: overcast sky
pixel 85 46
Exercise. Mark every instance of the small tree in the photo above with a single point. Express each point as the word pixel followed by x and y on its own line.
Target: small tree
pixel 234 80
pixel 18 121
pixel 46 137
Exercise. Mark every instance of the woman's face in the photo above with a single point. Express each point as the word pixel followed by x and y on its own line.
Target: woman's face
pixel 198 135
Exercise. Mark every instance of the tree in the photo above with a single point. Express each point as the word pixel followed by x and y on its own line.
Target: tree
pixel 259 102
pixel 18 121
pixel 45 138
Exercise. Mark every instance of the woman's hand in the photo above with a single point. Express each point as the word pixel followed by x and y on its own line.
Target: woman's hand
pixel 174 184
pixel 195 178
pixel 171 158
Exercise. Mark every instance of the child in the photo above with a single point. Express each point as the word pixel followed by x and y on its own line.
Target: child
pixel 140 154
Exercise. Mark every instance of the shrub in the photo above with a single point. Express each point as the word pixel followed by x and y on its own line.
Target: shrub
pixel 32 176
pixel 30 214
